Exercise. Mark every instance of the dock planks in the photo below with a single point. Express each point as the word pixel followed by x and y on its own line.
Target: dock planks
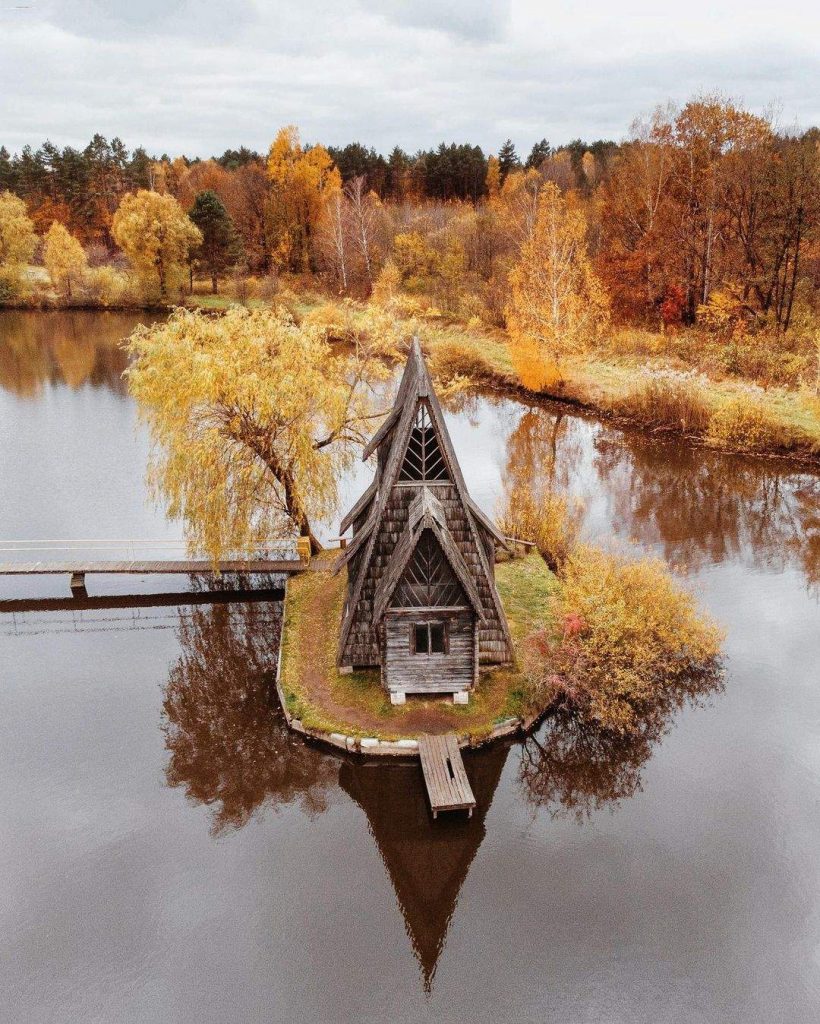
pixel 448 788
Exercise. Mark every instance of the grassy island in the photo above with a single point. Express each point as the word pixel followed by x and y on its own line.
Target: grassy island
pixel 328 701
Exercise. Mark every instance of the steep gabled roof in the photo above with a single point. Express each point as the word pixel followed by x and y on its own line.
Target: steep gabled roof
pixel 425 513
pixel 415 386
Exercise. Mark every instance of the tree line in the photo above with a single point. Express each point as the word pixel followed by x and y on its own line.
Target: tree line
pixel 707 212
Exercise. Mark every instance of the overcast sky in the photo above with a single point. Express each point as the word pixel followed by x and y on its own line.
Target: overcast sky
pixel 198 76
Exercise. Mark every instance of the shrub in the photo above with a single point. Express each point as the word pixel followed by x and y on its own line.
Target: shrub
pixel 668 399
pixel 109 287
pixel 536 371
pixel 724 313
pixel 628 639
pixel 747 424
pixel 457 357
pixel 550 520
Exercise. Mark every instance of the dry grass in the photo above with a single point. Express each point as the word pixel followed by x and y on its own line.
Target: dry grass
pixel 747 423
pixel 669 400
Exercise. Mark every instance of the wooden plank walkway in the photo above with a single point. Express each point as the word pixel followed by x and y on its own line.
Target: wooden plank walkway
pixel 448 788
pixel 138 568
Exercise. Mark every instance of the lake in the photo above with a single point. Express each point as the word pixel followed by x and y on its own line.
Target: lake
pixel 169 852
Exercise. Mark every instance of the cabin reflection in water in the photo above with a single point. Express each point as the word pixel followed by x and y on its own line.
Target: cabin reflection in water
pixel 427 863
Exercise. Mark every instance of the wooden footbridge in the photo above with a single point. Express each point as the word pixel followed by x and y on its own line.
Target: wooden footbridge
pixel 77 568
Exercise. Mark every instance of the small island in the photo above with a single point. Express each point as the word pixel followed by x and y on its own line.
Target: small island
pixel 410 606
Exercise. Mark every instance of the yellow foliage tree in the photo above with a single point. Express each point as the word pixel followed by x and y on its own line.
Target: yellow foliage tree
pixel 17 240
pixel 493 180
pixel 64 258
pixel 157 237
pixel 302 183
pixel 628 642
pixel 253 418
pixel 559 306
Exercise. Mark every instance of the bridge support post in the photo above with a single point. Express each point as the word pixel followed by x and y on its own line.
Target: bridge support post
pixel 78 585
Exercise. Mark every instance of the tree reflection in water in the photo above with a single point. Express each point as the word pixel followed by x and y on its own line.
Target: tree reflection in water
pixel 74 347
pixel 228 742
pixel 705 508
pixel 573 768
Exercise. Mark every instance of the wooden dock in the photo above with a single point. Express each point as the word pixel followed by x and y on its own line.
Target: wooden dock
pixel 448 788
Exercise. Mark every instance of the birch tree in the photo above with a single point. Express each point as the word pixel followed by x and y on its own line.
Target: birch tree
pixel 558 305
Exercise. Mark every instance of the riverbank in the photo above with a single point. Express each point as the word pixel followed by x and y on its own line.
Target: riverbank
pixel 665 384
pixel 656 393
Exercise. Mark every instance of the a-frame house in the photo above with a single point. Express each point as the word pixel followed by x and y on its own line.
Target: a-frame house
pixel 421 602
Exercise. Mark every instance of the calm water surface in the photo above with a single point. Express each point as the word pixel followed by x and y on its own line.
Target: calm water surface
pixel 169 853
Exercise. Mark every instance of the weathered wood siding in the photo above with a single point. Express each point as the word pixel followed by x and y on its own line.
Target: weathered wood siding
pixel 428 673
pixel 362 646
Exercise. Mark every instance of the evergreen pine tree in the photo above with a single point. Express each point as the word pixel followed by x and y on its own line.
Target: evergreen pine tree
pixel 220 244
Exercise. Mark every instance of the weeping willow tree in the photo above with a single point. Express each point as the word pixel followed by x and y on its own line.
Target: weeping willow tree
pixel 253 419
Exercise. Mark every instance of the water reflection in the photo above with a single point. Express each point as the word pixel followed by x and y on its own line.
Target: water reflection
pixel 427 862
pixel 73 347
pixel 228 742
pixel 569 767
pixel 703 508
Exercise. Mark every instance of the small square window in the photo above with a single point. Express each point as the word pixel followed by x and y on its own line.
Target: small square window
pixel 429 638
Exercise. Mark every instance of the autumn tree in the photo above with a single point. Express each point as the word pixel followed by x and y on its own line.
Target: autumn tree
pixel 253 419
pixel 301 181
pixel 558 306
pixel 157 237
pixel 219 248
pixel 64 259
pixel 493 180
pixel 366 227
pixel 333 238
pixel 634 198
pixel 17 240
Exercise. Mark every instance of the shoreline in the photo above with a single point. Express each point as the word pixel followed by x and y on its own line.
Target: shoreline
pixel 499 381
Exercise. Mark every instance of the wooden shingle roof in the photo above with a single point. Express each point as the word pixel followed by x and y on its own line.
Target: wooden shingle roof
pixel 391 440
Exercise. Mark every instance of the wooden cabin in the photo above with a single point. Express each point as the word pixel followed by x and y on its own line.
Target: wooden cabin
pixel 421 603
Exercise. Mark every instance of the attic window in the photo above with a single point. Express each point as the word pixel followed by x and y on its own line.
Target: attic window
pixel 423 459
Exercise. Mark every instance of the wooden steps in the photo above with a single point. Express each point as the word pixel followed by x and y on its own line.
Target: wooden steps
pixel 448 788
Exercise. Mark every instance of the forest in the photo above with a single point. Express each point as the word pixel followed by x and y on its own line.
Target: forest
pixel 689 252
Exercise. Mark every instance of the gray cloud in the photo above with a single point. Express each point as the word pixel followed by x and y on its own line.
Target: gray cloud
pixel 197 77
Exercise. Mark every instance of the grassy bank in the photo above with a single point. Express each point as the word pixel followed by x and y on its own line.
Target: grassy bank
pixel 658 392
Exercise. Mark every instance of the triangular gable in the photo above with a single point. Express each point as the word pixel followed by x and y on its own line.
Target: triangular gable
pixel 415 386
pixel 428 580
pixel 424 456
pixel 426 517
